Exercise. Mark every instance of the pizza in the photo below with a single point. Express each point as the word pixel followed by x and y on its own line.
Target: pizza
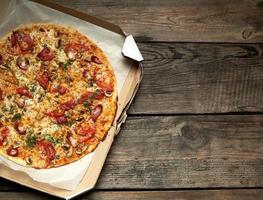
pixel 58 95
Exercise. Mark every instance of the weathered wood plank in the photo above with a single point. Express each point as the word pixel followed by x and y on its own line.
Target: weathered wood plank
pixel 200 78
pixel 185 152
pixel 176 20
pixel 243 194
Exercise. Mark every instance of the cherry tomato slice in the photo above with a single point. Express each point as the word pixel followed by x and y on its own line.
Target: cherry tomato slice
pixel 24 91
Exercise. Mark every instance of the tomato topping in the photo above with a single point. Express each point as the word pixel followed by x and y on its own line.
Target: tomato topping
pixel 4 132
pixel 46 54
pixel 86 138
pixel 11 151
pixel 55 113
pixel 43 80
pixel 87 130
pixel 47 149
pixel 61 120
pixel 85 73
pixel 20 128
pixel 24 91
pixel 77 47
pixel 68 105
pixel 84 97
pixel 1 59
pixel 108 88
pixel 26 43
pixel 1 95
pixel 22 63
pixel 99 94
pixel 95 59
pixel 96 112
pixel 62 90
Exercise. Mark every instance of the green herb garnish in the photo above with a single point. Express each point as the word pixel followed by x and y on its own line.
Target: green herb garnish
pixel 17 116
pixel 51 139
pixel 32 88
pixel 87 105
pixel 31 140
pixel 65 65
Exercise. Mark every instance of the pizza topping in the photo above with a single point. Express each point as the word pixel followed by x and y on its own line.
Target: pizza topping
pixel 96 112
pixel 43 80
pixel 47 150
pixel 20 128
pixel 107 88
pixel 55 113
pixel 71 140
pixel 4 132
pixel 60 89
pixel 85 73
pixel 61 120
pixel 15 37
pixel 22 63
pixel 1 59
pixel 11 151
pixel 84 97
pixel 23 91
pixel 74 50
pixel 68 105
pixel 20 102
pixel 96 60
pixel 86 129
pixel 99 94
pixel 1 95
pixel 46 54
pixel 26 43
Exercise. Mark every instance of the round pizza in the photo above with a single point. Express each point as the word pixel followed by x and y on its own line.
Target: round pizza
pixel 58 95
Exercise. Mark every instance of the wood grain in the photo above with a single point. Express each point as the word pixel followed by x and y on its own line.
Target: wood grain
pixel 169 152
pixel 176 20
pixel 243 194
pixel 200 78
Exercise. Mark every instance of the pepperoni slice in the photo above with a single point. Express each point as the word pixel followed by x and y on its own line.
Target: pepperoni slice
pixel 96 112
pixel 47 149
pixel 60 89
pixel 4 132
pixel 46 54
pixel 84 97
pixel 26 43
pixel 68 105
pixel 15 37
pixel 95 59
pixel 24 91
pixel 1 59
pixel 43 80
pixel 11 151
pixel 1 95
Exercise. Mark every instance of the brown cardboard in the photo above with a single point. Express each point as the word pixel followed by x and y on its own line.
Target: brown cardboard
pixel 131 85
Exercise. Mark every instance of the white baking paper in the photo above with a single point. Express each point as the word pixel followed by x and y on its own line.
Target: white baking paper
pixel 21 12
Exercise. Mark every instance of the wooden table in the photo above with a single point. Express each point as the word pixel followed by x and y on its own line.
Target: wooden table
pixel 195 129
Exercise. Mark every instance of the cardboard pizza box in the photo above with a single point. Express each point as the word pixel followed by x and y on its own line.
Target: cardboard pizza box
pixel 130 87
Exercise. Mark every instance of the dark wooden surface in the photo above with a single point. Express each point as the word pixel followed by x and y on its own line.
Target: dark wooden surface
pixel 195 129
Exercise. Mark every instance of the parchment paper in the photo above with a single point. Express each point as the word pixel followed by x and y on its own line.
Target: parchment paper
pixel 20 12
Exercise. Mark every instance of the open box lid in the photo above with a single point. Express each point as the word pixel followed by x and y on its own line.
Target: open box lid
pixel 131 85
